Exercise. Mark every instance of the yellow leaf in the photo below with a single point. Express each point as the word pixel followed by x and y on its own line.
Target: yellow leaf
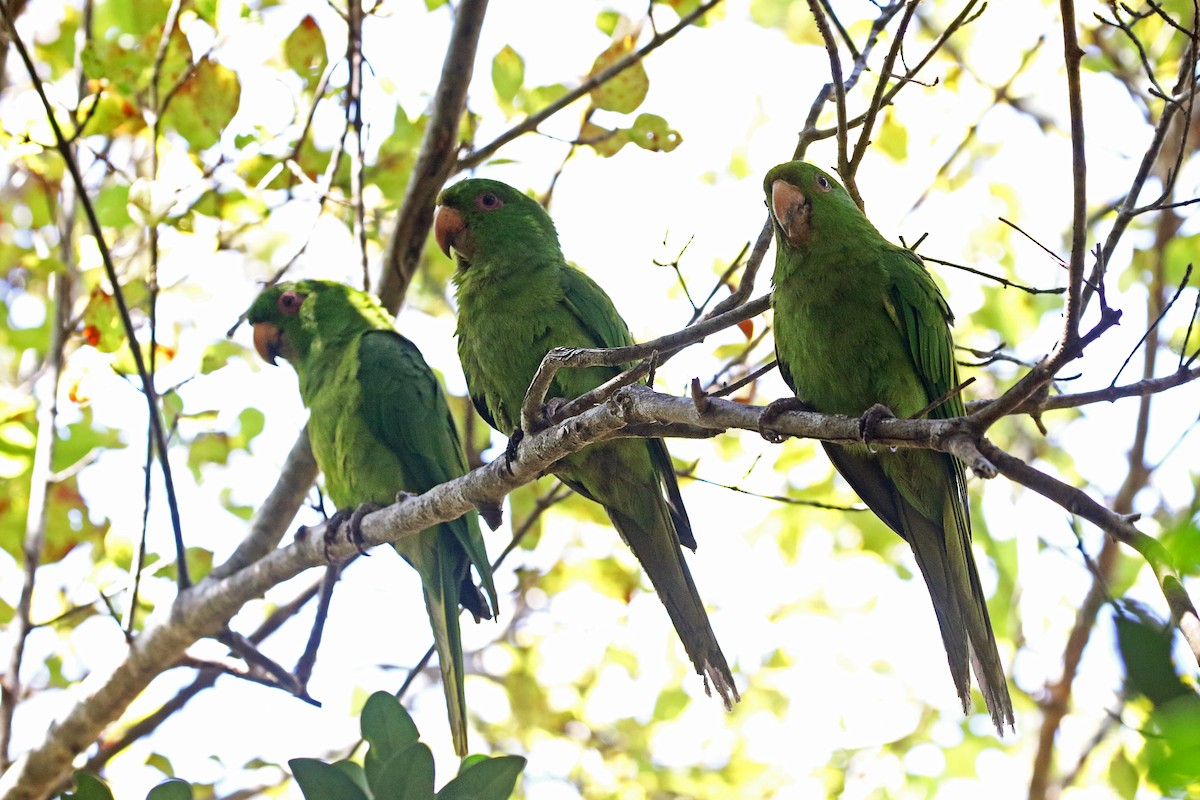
pixel 627 89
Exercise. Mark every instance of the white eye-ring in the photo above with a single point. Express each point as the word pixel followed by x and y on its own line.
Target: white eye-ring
pixel 824 183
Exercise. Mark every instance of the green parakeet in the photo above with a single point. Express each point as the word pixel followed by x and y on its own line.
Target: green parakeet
pixel 860 322
pixel 379 425
pixel 518 298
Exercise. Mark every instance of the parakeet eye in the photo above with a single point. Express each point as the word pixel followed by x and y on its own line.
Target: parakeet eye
pixel 823 183
pixel 488 202
pixel 289 303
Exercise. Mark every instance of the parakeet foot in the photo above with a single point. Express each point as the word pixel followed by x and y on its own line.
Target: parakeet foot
pixel 492 513
pixel 552 407
pixel 510 452
pixel 353 516
pixel 870 419
pixel 772 411
pixel 470 598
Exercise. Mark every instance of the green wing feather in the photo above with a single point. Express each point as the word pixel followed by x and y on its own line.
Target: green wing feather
pixel 923 318
pixel 405 409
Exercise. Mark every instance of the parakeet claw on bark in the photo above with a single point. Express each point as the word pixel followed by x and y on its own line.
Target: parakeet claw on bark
pixel 492 513
pixel 510 450
pixel 350 519
pixel 772 412
pixel 870 420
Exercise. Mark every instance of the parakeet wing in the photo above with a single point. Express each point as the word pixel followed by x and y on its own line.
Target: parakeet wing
pixel 405 409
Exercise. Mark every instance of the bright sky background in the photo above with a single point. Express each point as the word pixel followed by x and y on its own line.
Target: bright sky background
pixel 736 92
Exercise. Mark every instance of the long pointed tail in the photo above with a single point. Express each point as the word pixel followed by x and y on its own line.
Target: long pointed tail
pixel 659 553
pixel 948 566
pixel 441 584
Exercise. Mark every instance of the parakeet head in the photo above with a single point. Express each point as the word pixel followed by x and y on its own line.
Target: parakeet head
pixel 289 318
pixel 807 204
pixel 479 220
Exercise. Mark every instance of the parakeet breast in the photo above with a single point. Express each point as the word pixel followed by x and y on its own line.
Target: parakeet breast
pixel 839 342
pixel 505 328
pixel 358 468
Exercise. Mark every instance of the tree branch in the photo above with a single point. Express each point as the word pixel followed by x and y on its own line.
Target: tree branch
pixel 435 160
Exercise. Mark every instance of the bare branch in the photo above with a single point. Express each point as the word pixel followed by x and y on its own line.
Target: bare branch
pixel 1118 526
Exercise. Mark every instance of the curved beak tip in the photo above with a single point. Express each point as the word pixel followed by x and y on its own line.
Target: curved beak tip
pixel 448 223
pixel 787 204
pixel 266 341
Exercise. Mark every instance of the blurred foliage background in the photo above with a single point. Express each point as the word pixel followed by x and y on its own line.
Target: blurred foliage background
pixel 224 143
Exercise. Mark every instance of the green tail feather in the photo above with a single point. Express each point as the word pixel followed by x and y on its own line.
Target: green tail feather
pixel 945 559
pixel 943 553
pixel 441 580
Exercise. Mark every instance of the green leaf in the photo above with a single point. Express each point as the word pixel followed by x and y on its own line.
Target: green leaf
pixel 671 703
pixel 112 205
pixel 89 787
pixel 304 51
pixel 1145 647
pixel 508 74
pixel 605 142
pixel 107 113
pixel 1123 775
pixel 250 422
pixel 625 91
pixel 1173 756
pixel 102 327
pixel 320 781
pixel 389 730
pixel 651 132
pixel 204 104
pixel 386 724
pixel 534 100
pixel 893 137
pixel 1183 542
pixel 219 353
pixel 138 17
pixel 161 763
pixel 489 779
pixel 171 790
pixel 792 18
pixel 607 21
pixel 242 512
pixel 206 10
pixel 407 775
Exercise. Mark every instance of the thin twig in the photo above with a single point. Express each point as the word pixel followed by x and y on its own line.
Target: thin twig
pixel 725 391
pixel 1187 273
pixel 530 123
pixel 1005 282
pixel 889 62
pixel 791 501
pixel 839 96
pixel 354 61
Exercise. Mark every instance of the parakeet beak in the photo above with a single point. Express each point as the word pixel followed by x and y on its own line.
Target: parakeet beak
pixel 268 341
pixel 449 229
pixel 792 212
